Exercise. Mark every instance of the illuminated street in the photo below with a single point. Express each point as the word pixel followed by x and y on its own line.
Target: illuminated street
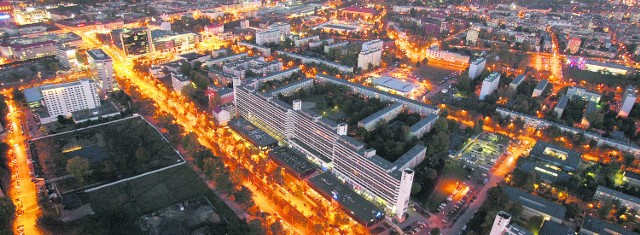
pixel 23 191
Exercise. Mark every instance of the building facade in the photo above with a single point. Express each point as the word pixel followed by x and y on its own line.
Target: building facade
pixel 103 65
pixel 628 100
pixel 136 42
pixel 268 36
pixel 476 67
pixel 62 99
pixel 489 85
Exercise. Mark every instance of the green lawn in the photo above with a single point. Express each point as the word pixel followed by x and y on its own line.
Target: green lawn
pixel 148 193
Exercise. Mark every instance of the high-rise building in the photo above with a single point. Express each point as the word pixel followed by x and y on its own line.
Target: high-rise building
pixel 369 57
pixel 62 99
pixel 489 85
pixel 500 223
pixel 628 100
pixel 476 67
pixel 102 64
pixel 136 41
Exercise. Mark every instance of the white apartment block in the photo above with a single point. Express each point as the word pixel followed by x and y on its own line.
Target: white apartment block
pixel 476 67
pixel 583 94
pixel 369 57
pixel 268 36
pixel 179 81
pixel 436 53
pixel 103 65
pixel 62 99
pixel 628 100
pixel 372 45
pixel 489 85
pixel 472 37
pixel 284 28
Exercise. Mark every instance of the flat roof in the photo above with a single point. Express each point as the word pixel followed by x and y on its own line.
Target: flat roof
pixel 617 194
pixel 601 227
pixel 562 103
pixel 492 77
pixel 609 65
pixel 191 56
pixel 543 171
pixel 375 116
pixel 98 54
pixel 542 84
pixel 32 94
pixel 632 175
pixel 518 79
pixel 255 134
pixel 394 84
pixel 62 85
pixel 565 158
pixel 423 122
pixel 409 155
pixel 292 160
pixel 534 202
pixel 551 227
pixel 332 187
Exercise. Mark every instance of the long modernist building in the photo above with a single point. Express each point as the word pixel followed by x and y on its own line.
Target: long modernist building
pixel 326 143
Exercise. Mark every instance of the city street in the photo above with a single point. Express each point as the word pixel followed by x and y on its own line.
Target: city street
pixel 23 190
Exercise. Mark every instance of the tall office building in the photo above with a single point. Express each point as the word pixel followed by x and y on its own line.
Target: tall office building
pixel 476 67
pixel 489 85
pixel 62 99
pixel 103 65
pixel 628 100
pixel 135 42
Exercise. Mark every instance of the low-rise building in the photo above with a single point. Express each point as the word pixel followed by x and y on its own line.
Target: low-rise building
pixel 631 178
pixel 561 105
pixel 535 206
pixel 268 36
pixel 384 115
pixel 394 86
pixel 594 226
pixel 423 126
pixel 537 92
pixel 606 194
pixel 179 81
pixel 583 94
pixel 221 116
pixel 517 81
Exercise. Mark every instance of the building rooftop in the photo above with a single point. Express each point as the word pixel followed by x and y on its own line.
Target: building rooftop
pixel 255 135
pixel 409 155
pixel 377 115
pixel 632 175
pixel 555 228
pixel 492 77
pixel 617 194
pixel 515 229
pixel 394 84
pixel 32 94
pixel 536 203
pixel 293 161
pixel 562 103
pixel 423 122
pixel 62 85
pixel 480 60
pixel 542 84
pixel 597 226
pixel 610 65
pixel 519 79
pixel 564 158
pixel 331 187
pixel 191 56
pixel 360 9
pixel 98 54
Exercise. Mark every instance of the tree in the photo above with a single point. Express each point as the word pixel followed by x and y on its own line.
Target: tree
pixel 415 188
pixel 78 167
pixel 573 210
pixel 276 227
pixel 243 196
pixel 142 155
pixel 431 174
pixel 435 231
pixel 7 210
pixel 534 223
